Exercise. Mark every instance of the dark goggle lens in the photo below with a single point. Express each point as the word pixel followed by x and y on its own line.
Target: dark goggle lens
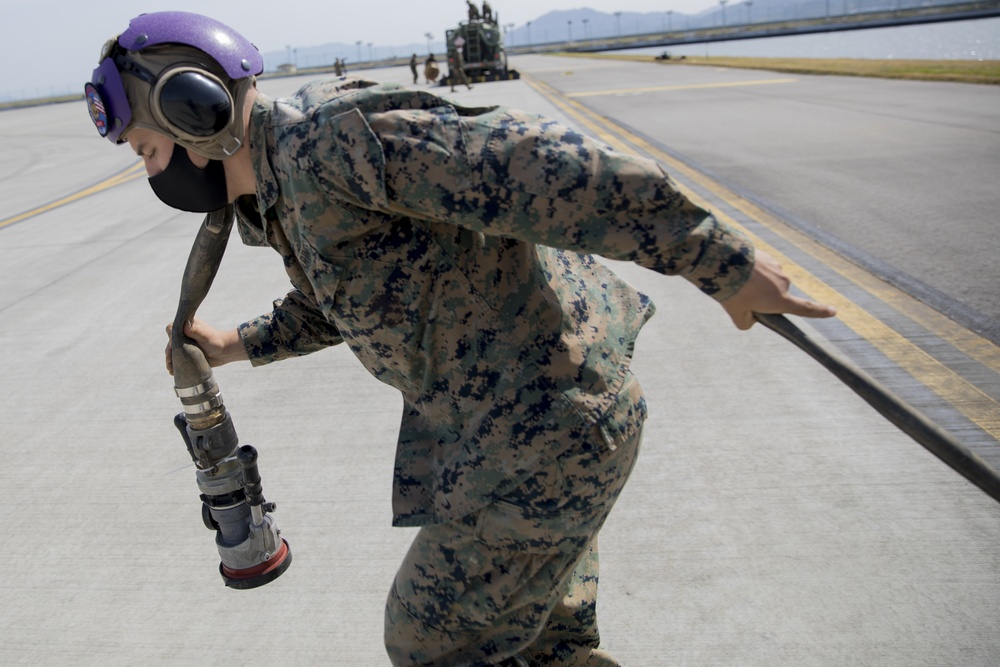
pixel 97 109
pixel 196 104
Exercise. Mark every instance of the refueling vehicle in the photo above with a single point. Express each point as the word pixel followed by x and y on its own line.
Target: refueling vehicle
pixel 477 47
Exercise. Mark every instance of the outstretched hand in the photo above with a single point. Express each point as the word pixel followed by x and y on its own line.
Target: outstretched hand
pixel 220 346
pixel 767 291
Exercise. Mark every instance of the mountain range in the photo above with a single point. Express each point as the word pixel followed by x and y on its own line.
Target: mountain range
pixel 558 26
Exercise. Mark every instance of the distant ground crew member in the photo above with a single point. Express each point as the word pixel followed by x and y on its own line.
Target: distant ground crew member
pixel 458 69
pixel 338 69
pixel 413 67
pixel 431 70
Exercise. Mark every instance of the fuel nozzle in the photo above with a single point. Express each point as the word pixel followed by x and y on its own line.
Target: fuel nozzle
pixel 252 551
pixel 250 545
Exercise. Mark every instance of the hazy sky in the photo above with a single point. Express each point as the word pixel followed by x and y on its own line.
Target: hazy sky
pixel 55 43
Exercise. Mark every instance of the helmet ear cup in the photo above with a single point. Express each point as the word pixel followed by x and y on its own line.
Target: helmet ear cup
pixel 193 101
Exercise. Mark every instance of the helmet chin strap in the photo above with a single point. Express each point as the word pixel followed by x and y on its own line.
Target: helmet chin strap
pixel 229 144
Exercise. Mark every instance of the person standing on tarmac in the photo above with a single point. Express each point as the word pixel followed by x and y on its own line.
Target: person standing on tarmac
pixel 457 75
pixel 413 67
pixel 453 250
pixel 431 70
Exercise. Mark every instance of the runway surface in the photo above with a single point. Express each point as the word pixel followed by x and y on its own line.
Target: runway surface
pixel 773 519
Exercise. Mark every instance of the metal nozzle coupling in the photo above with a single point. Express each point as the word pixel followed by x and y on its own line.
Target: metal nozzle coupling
pixel 250 546
pixel 202 402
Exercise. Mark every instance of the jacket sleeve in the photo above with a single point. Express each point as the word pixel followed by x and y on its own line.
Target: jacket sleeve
pixel 293 328
pixel 509 173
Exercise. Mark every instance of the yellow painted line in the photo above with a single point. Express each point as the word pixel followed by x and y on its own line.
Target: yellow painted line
pixel 976 405
pixel 969 343
pixel 130 174
pixel 692 86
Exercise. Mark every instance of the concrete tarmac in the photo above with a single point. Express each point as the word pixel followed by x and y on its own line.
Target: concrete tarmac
pixel 899 176
pixel 773 518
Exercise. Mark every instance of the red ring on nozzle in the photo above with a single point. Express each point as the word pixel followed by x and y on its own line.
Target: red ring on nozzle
pixel 266 572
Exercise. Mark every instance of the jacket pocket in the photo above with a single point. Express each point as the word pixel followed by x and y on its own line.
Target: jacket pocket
pixel 508 527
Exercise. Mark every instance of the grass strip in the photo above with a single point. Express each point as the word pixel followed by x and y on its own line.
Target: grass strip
pixel 962 71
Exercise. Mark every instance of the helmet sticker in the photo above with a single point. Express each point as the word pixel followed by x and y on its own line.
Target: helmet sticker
pixel 106 101
pixel 95 104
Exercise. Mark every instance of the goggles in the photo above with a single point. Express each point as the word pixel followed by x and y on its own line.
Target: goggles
pixel 186 100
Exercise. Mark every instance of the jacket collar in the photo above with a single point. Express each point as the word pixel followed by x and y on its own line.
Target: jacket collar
pixel 267 185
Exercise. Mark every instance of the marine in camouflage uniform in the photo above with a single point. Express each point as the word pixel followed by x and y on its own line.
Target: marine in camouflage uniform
pixel 451 249
pixel 456 72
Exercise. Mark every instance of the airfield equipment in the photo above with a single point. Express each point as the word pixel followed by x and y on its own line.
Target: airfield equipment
pixel 480 51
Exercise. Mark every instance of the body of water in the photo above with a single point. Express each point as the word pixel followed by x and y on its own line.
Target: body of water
pixel 977 39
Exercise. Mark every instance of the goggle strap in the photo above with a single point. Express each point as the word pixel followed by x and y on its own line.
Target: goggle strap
pixel 128 66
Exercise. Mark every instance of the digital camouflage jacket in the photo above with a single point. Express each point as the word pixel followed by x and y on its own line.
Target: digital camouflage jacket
pixel 451 249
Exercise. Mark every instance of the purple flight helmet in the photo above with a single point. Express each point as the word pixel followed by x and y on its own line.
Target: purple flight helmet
pixel 187 77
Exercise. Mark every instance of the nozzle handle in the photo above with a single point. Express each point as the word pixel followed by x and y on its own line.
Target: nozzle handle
pixel 190 366
pixel 247 456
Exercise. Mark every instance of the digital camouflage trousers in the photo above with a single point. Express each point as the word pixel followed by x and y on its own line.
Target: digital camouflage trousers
pixel 516 578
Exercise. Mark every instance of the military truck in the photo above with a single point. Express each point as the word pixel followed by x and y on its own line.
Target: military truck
pixel 483 57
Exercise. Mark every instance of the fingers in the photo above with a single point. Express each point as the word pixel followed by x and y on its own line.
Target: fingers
pixel 743 319
pixel 807 308
pixel 788 305
pixel 198 331
pixel 191 330
pixel 794 305
pixel 768 291
pixel 167 351
pixel 219 346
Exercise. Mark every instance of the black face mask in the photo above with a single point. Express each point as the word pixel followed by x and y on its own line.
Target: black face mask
pixel 184 186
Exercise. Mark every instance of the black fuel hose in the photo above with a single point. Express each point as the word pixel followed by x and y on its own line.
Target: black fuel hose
pixel 191 369
pixel 925 432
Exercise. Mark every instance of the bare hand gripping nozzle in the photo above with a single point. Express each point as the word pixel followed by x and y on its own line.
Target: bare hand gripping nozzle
pixel 252 550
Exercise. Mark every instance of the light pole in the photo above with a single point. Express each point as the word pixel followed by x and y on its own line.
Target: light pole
pixel 749 4
pixel 618 15
pixel 509 27
pixel 371 53
pixel 528 24
pixel 586 35
pixel 723 3
pixel 429 37
pixel 670 16
pixel 288 48
pixel 569 30
pixel 359 49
